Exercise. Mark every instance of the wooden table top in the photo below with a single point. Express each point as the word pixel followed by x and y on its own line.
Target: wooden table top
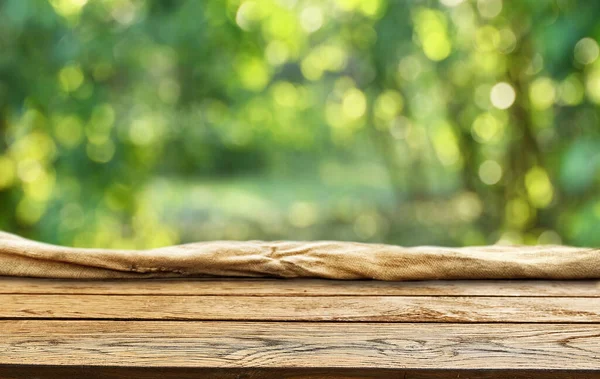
pixel 268 328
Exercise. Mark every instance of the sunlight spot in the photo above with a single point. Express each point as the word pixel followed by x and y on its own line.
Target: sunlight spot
pixel 388 105
pixel 354 103
pixel 549 237
pixel 489 8
pixel 468 206
pixel 7 172
pixel 277 53
pixel 247 13
pixel 451 3
pixel 586 51
pixel 101 153
pixel 539 188
pixel 311 19
pixel 518 212
pixel 303 214
pixel 490 172
pixel 486 128
pixel 571 91
pixel 542 93
pixel 502 95
pixel 70 78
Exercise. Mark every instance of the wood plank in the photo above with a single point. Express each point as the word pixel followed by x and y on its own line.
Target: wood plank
pixel 95 372
pixel 301 345
pixel 363 308
pixel 303 287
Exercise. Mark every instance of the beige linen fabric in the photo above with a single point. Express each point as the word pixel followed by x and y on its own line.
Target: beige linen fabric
pixel 287 259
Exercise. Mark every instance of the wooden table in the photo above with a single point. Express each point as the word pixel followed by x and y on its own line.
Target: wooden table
pixel 298 329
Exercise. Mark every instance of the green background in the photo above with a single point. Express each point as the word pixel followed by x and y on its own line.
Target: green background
pixel 137 124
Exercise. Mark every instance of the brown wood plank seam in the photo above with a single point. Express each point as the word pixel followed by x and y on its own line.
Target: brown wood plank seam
pixel 117 372
pixel 303 287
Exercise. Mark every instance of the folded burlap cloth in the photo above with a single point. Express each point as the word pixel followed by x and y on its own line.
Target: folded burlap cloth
pixel 332 260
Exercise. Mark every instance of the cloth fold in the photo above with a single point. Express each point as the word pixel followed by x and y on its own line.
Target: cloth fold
pixel 294 259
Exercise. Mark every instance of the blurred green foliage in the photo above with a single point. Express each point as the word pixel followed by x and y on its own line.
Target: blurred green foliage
pixel 136 124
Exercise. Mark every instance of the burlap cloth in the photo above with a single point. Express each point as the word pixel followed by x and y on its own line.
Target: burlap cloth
pixel 285 259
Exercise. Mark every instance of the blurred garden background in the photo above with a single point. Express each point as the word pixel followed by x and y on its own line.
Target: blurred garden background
pixel 138 124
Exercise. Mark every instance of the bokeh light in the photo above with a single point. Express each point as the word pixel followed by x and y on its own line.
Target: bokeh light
pixel 502 95
pixel 586 51
pixel 490 172
pixel 137 123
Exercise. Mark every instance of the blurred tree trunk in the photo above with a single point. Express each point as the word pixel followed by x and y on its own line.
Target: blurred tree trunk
pixel 524 151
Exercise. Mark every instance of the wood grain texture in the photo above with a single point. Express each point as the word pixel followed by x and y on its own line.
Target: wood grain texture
pixel 331 308
pixel 303 287
pixel 301 345
pixel 269 328
pixel 95 372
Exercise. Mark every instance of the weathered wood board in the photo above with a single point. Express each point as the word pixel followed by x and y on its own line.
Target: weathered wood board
pixel 299 329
